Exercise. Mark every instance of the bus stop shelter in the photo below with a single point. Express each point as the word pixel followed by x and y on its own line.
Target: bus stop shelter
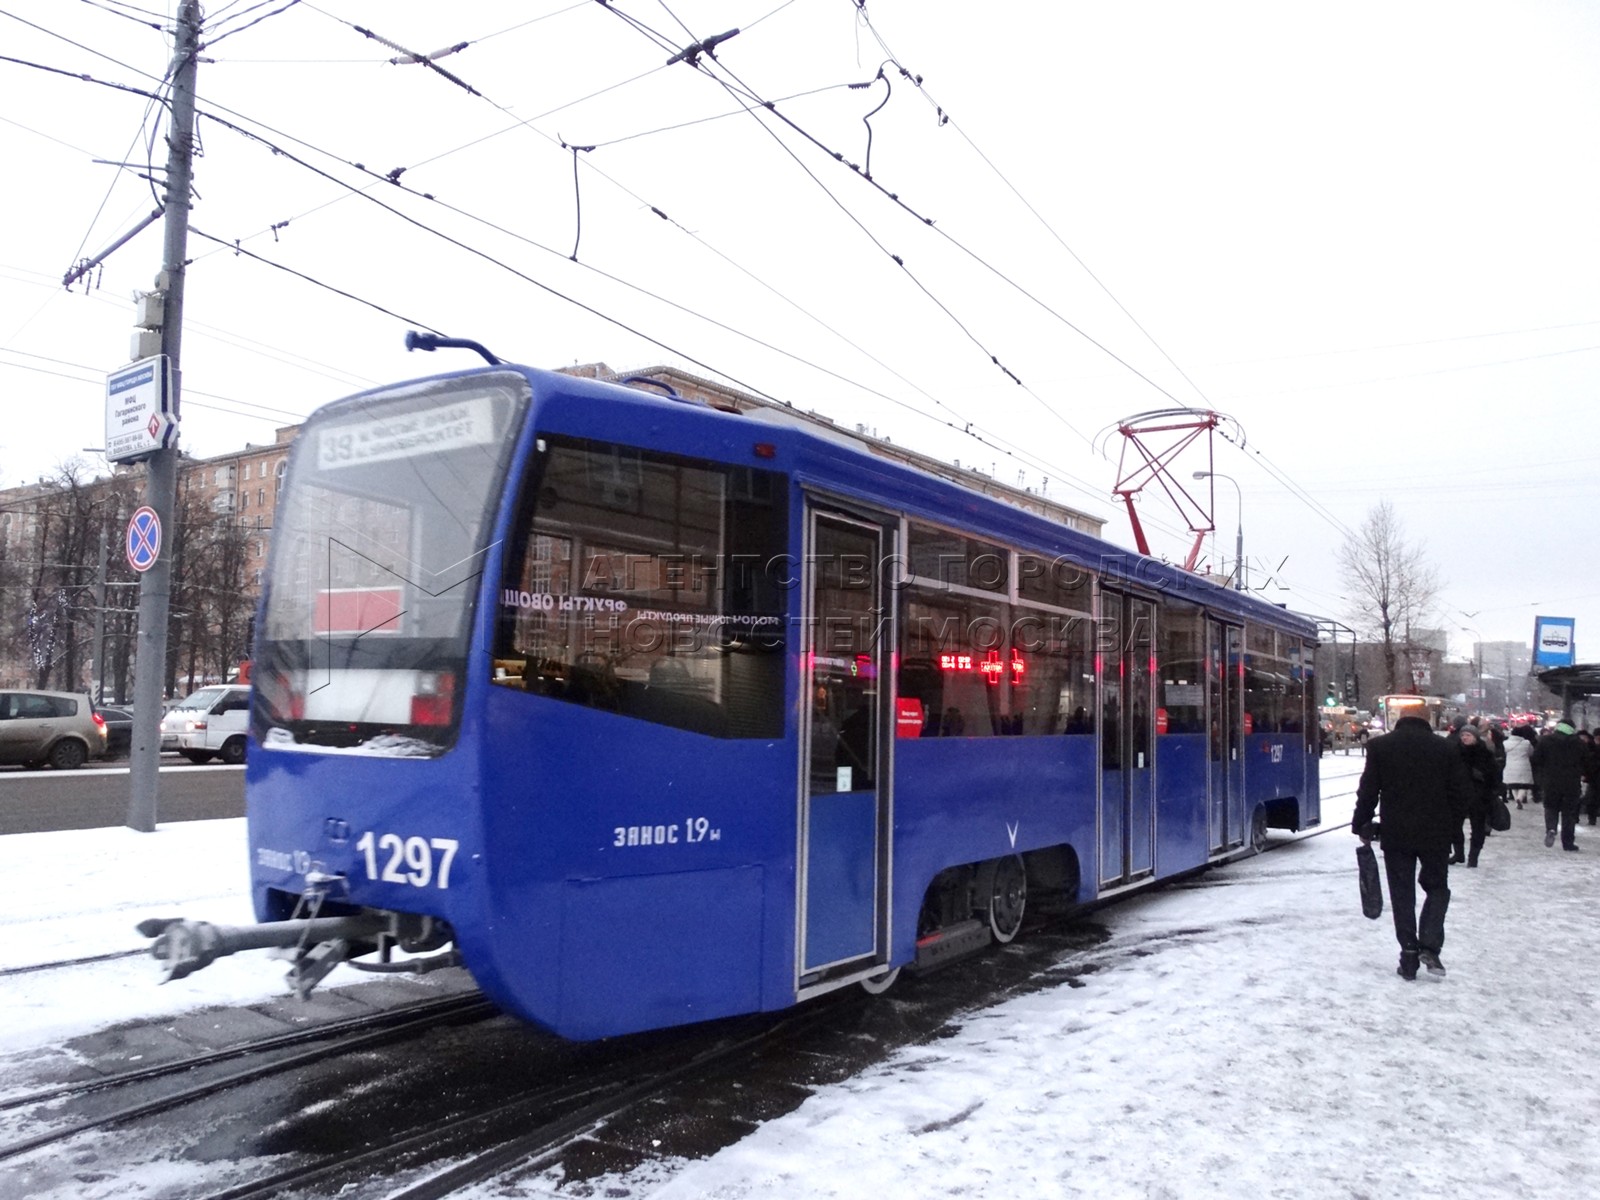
pixel 1577 682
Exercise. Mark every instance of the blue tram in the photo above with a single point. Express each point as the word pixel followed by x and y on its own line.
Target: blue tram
pixel 651 713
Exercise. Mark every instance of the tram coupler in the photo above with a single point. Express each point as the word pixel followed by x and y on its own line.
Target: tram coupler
pixel 184 947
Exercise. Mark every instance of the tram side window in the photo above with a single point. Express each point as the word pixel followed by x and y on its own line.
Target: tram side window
pixel 1293 718
pixel 1312 723
pixel 1266 680
pixel 1059 582
pixel 1183 665
pixel 1053 691
pixel 953 663
pixel 954 559
pixel 641 584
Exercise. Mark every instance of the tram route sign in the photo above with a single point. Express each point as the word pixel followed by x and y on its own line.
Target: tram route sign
pixel 139 413
pixel 142 542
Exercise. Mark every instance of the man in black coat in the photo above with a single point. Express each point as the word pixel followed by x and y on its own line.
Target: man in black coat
pixel 1417 784
pixel 1558 770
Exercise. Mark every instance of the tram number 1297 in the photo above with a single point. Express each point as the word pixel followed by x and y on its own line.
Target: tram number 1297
pixel 409 860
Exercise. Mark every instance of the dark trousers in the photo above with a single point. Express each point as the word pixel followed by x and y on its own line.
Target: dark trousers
pixel 1480 830
pixel 1566 808
pixel 1401 865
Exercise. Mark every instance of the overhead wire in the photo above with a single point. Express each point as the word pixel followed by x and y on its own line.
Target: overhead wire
pixel 997 444
pixel 131 12
pixel 961 424
pixel 946 118
pixel 1276 472
pixel 219 36
pixel 759 105
pixel 97 377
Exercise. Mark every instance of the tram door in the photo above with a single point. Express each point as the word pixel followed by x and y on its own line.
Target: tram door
pixel 1225 708
pixel 1127 732
pixel 844 819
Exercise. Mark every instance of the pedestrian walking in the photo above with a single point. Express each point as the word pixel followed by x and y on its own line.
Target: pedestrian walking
pixel 1518 775
pixel 1558 772
pixel 1419 788
pixel 1485 773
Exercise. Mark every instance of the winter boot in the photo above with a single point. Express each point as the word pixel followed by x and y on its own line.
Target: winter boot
pixel 1430 959
pixel 1407 969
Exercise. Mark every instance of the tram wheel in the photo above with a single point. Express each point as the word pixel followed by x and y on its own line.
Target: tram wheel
pixel 877 985
pixel 1003 892
pixel 1258 830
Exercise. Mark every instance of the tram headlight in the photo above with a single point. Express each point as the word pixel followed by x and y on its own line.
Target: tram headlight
pixel 434 698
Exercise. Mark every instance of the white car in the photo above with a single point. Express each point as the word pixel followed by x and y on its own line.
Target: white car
pixel 210 723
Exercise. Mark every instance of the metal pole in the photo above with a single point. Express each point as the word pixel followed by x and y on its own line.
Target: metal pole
pixel 100 619
pixel 162 468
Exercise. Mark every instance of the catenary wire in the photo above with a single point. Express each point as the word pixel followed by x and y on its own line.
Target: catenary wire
pixel 754 109
pixel 945 117
pixel 992 443
pixel 962 425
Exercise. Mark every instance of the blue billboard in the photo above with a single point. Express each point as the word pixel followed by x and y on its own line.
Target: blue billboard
pixel 1553 642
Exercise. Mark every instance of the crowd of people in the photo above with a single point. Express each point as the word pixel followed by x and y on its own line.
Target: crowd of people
pixel 1558 770
pixel 1433 800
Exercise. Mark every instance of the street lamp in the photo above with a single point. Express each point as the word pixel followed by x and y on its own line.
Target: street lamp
pixel 1238 545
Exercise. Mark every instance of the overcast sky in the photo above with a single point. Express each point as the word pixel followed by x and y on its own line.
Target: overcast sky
pixel 1365 233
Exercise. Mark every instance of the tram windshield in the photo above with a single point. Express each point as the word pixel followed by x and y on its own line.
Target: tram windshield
pixel 377 555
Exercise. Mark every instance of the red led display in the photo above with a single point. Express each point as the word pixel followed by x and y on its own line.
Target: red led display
pixel 991 668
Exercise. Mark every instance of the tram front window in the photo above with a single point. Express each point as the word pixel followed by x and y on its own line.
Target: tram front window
pixel 650 586
pixel 378 551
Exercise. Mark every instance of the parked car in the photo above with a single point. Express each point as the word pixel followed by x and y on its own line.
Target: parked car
pixel 119 729
pixel 208 724
pixel 59 728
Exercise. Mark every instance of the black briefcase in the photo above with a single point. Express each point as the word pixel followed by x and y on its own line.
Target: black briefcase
pixel 1371 885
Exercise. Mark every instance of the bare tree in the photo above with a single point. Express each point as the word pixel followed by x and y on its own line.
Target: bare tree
pixel 1393 587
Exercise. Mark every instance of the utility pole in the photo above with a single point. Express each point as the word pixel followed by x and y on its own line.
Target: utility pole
pixel 161 479
pixel 100 618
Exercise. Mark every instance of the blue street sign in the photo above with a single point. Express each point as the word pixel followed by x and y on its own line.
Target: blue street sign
pixel 143 542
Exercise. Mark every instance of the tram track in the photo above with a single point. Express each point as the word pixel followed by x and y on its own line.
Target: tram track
pixel 64 963
pixel 349 1036
pixel 528 1132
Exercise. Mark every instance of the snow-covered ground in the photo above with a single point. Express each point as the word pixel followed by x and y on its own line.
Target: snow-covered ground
pixel 1248 1038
